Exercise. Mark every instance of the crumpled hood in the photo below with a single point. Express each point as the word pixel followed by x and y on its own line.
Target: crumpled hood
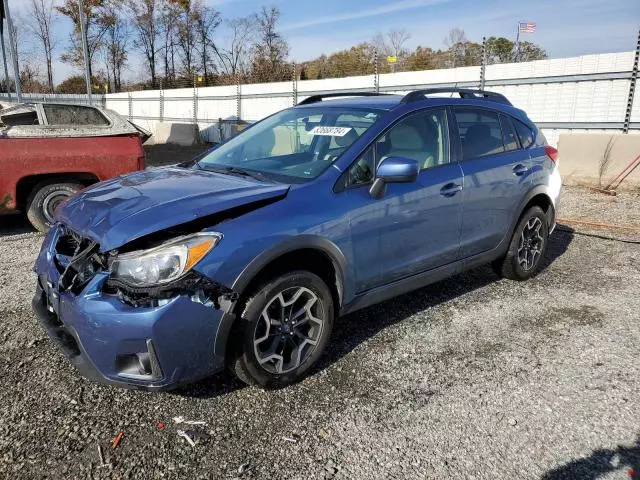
pixel 120 210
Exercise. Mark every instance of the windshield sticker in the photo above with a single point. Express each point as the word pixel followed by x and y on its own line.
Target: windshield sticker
pixel 330 131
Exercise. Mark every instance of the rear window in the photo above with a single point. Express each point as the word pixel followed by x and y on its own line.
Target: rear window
pixel 480 132
pixel 524 133
pixel 21 118
pixel 74 115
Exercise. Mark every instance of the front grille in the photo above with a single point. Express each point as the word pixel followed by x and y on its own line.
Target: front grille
pixel 76 259
pixel 68 243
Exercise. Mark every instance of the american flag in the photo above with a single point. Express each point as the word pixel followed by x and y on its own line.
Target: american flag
pixel 527 27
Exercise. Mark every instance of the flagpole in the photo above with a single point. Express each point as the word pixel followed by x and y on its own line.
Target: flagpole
pixel 518 42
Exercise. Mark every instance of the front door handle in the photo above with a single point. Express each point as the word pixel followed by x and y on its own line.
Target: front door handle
pixel 450 189
pixel 520 169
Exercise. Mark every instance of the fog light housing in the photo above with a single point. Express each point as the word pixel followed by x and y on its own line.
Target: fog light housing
pixel 139 366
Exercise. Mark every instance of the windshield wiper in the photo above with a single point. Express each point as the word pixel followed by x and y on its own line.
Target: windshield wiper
pixel 235 171
pixel 246 173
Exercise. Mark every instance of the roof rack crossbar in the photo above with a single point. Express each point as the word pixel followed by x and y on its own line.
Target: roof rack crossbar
pixel 320 97
pixel 463 92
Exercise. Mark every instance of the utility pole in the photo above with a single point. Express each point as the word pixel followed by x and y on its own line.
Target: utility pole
pixel 14 53
pixel 4 55
pixel 85 50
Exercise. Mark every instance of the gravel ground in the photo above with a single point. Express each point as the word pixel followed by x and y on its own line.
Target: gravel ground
pixel 597 207
pixel 473 377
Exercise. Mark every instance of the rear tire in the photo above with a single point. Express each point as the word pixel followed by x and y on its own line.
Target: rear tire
pixel 45 198
pixel 527 248
pixel 283 330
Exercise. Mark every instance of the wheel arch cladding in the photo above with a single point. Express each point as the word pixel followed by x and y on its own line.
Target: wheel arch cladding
pixel 328 265
pixel 542 200
pixel 316 254
pixel 537 196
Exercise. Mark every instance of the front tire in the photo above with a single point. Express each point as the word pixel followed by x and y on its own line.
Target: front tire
pixel 527 248
pixel 44 200
pixel 283 331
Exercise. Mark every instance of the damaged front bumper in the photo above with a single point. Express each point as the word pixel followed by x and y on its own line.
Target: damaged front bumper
pixel 155 346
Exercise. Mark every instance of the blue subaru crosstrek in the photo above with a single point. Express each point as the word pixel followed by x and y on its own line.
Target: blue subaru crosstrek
pixel 247 256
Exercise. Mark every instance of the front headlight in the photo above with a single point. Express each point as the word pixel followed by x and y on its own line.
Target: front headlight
pixel 163 264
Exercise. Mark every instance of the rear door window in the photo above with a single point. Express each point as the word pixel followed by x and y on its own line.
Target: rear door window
pixel 480 132
pixel 525 133
pixel 509 135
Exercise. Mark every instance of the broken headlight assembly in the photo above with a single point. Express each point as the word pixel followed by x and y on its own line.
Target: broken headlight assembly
pixel 162 264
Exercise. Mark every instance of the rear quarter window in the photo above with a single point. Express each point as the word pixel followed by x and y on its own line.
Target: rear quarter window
pixel 509 135
pixel 18 119
pixel 525 133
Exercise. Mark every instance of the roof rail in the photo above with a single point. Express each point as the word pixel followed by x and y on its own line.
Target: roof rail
pixel 320 97
pixel 463 92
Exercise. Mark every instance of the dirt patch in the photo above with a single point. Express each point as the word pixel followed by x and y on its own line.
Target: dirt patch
pixel 584 316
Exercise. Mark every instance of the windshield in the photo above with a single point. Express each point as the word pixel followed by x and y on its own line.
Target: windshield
pixel 294 145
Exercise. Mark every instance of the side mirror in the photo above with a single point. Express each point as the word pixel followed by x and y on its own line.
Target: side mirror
pixel 393 170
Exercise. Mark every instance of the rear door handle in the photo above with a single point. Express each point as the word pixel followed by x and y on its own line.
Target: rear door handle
pixel 450 189
pixel 520 169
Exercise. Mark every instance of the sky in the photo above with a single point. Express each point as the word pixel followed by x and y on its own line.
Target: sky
pixel 564 27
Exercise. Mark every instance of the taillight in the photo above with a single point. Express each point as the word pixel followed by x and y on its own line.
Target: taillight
pixel 141 163
pixel 551 152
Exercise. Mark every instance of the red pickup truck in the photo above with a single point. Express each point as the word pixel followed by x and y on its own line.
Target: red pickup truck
pixel 48 152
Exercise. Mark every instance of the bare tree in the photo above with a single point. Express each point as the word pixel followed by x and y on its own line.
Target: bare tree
pixel 30 80
pixel 381 45
pixel 391 44
pixel 456 43
pixel 94 28
pixel 168 27
pixel 186 35
pixel 272 49
pixel 397 41
pixel 206 20
pixel 145 22
pixel 455 35
pixel 233 57
pixel 41 16
pixel 116 41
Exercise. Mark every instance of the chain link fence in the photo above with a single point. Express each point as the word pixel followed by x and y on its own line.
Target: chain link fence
pixel 591 92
